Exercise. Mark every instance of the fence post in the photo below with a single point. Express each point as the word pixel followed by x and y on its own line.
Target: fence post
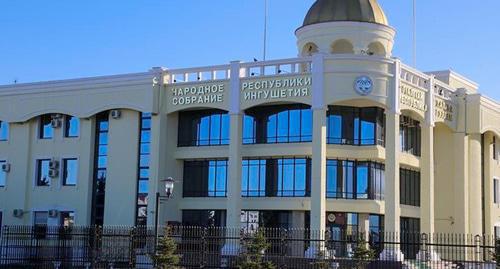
pixel 203 247
pixel 477 255
pixel 131 260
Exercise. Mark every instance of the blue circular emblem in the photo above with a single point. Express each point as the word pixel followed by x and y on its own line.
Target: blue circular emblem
pixel 363 85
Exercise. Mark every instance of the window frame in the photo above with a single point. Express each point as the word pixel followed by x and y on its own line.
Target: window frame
pixel 41 127
pixel 496 191
pixel 351 124
pixel 188 119
pixel 64 171
pixel 204 165
pixel 38 170
pixel 272 178
pixel 264 118
pixel 409 194
pixel 2 124
pixel 410 135
pixel 67 119
pixel 4 185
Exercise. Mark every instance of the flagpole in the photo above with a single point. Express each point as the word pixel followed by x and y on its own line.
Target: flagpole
pixel 265 29
pixel 415 33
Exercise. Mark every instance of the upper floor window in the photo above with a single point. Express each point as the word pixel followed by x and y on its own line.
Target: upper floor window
pixel 409 187
pixel 70 171
pixel 4 131
pixel 71 126
pixel 409 134
pixel 356 126
pixel 495 153
pixel 3 175
pixel 42 172
pixel 203 128
pixel 285 177
pixel 354 180
pixel 496 191
pixel 277 124
pixel 207 178
pixel 45 130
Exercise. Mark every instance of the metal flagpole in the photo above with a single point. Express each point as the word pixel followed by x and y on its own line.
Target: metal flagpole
pixel 265 29
pixel 415 33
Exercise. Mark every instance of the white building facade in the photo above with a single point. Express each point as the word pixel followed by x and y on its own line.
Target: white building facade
pixel 343 137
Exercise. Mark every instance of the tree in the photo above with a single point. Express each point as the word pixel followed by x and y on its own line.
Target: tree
pixel 362 254
pixel 165 257
pixel 255 247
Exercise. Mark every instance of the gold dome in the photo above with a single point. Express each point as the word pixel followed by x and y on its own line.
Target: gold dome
pixel 345 10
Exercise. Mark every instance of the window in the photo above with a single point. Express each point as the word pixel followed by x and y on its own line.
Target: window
pixel 71 126
pixel 409 187
pixel 100 168
pixel 204 218
pixel 205 178
pixel 496 191
pixel 40 224
pixel 4 131
pixel 45 130
pixel 495 153
pixel 70 171
pixel 143 177
pixel 354 180
pixel 356 126
pixel 497 231
pixel 284 177
pixel 67 218
pixel 203 128
pixel 410 236
pixel 277 124
pixel 42 172
pixel 3 175
pixel 409 134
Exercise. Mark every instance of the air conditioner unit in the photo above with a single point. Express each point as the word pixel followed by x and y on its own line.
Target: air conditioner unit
pixel 6 167
pixel 18 213
pixel 54 164
pixel 55 123
pixel 53 213
pixel 116 114
pixel 53 173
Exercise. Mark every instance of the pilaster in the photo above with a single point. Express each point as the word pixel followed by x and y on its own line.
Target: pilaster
pixel 475 185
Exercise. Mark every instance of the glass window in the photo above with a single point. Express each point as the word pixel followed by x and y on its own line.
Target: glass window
pixel 42 172
pixel 203 128
pixel 410 236
pixel 285 177
pixel 45 127
pixel 100 168
pixel 354 180
pixel 277 124
pixel 67 218
pixel 3 175
pixel 207 178
pixel 410 135
pixel 356 126
pixel 496 191
pixel 495 153
pixel 71 126
pixel 409 187
pixel 70 171
pixel 4 131
pixel 204 218
pixel 40 224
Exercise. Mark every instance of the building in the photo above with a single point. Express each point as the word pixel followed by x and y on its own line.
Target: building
pixel 343 137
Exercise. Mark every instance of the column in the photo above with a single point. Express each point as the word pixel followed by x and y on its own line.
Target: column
pixel 427 192
pixel 391 192
pixel 318 165
pixel 233 213
pixel 364 226
pixel 475 185
pixel 461 188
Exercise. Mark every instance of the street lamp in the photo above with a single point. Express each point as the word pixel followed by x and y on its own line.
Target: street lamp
pixel 169 189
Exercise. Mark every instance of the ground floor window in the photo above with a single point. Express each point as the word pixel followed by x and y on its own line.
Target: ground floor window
pixel 410 236
pixel 204 218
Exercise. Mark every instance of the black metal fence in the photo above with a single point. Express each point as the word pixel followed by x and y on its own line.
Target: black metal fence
pixel 201 247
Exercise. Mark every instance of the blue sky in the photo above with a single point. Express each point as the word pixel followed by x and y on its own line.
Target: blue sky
pixel 47 40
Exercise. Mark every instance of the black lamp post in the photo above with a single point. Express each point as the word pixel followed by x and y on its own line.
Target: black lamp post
pixel 169 188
